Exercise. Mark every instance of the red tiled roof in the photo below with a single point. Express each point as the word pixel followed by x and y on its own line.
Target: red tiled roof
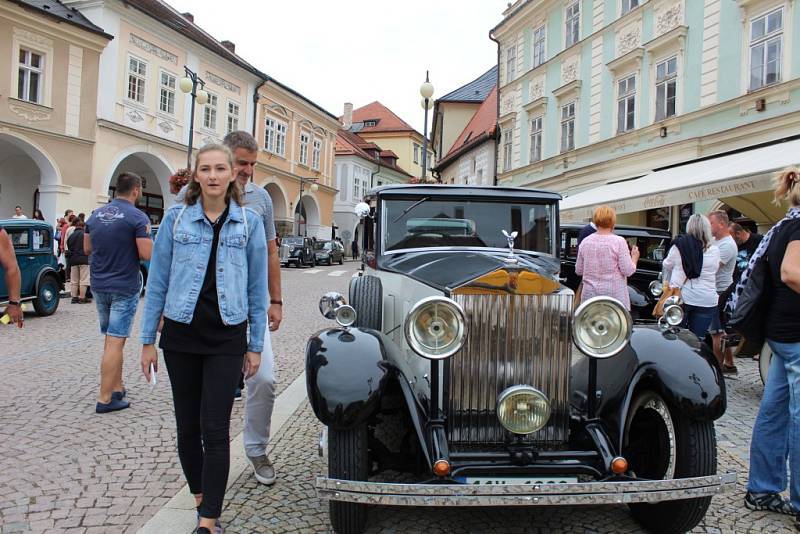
pixel 348 143
pixel 481 126
pixel 386 119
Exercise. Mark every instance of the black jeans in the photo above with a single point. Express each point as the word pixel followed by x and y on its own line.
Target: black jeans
pixel 202 391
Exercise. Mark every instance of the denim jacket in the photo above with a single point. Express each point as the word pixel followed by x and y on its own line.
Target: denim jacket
pixel 178 266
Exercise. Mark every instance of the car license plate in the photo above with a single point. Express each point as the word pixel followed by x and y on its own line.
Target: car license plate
pixel 506 481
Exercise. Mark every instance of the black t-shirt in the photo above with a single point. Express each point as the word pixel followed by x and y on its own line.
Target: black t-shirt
pixel 746 251
pixel 206 334
pixel 783 321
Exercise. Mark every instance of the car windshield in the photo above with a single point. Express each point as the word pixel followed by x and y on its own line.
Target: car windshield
pixel 442 222
pixel 323 246
pixel 293 240
pixel 653 250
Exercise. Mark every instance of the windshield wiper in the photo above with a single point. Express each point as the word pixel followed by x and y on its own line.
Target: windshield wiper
pixel 411 207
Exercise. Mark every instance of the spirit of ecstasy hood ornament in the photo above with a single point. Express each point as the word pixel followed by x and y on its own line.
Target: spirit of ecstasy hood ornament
pixel 510 238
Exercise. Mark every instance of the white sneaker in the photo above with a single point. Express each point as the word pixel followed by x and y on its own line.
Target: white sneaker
pixel 263 469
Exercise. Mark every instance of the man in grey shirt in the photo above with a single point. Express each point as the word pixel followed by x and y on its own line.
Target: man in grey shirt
pixel 261 386
pixel 727 263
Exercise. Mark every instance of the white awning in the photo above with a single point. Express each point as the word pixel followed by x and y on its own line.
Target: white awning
pixel 750 171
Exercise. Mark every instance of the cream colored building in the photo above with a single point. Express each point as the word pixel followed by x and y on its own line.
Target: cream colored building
pixel 49 61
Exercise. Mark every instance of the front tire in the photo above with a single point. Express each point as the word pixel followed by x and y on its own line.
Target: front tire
pixel 366 297
pixel 348 459
pixel 662 444
pixel 47 297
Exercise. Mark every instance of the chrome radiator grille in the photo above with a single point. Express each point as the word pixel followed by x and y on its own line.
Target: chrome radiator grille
pixel 512 340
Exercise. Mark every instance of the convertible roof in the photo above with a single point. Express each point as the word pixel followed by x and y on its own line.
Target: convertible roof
pixel 451 190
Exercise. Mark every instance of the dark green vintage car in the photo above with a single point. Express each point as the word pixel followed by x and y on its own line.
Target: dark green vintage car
pixel 42 276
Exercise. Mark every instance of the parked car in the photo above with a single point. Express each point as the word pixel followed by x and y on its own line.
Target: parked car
pixel 42 276
pixel 451 378
pixel 298 251
pixel 653 244
pixel 328 252
pixel 144 265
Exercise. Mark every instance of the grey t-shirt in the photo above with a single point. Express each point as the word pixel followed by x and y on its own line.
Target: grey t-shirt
pixel 727 259
pixel 257 199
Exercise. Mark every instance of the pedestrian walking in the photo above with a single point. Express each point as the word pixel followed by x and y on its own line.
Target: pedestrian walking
pixel 116 237
pixel 354 249
pixel 62 230
pixel 18 214
pixel 78 264
pixel 37 214
pixel 604 261
pixel 747 243
pixel 718 220
pixel 777 428
pixel 691 266
pixel 260 386
pixel 13 279
pixel 205 332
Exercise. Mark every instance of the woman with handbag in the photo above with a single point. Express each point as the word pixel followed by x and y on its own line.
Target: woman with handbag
pixel 208 278
pixel 776 433
pixel 691 266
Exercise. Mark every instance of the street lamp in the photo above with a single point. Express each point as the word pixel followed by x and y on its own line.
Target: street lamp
pixel 188 84
pixel 300 209
pixel 426 90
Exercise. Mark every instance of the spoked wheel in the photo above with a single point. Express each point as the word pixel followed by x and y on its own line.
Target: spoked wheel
pixel 663 444
pixel 764 359
pixel 348 459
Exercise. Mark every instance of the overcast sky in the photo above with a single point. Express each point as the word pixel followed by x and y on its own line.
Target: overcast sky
pixel 358 51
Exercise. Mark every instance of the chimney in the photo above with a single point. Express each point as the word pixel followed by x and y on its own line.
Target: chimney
pixel 347 118
pixel 188 16
pixel 230 46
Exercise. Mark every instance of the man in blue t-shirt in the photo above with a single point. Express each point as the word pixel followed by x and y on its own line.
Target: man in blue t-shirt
pixel 116 237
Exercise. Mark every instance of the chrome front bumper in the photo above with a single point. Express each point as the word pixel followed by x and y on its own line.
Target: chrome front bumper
pixel 522 495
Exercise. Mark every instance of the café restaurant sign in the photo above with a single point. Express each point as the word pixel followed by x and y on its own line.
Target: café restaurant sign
pixel 661 198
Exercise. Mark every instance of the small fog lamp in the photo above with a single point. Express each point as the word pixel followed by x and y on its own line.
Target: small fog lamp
pixel 345 315
pixel 523 409
pixel 656 288
pixel 673 315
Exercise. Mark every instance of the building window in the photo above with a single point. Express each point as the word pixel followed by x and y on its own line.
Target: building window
pixel 31 73
pixel 275 137
pixel 572 17
pixel 538 46
pixel 511 63
pixel 417 149
pixel 766 45
pixel 568 127
pixel 370 124
pixel 316 153
pixel 233 117
pixel 269 135
pixel 627 5
pixel 166 102
pixel 626 104
pixel 137 76
pixel 210 112
pixel 666 88
pixel 507 149
pixel 536 139
pixel 303 149
pixel 280 139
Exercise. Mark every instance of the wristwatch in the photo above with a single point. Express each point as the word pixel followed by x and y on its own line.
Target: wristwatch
pixel 276 301
pixel 14 303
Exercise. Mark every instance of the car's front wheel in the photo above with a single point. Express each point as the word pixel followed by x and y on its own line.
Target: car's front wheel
pixel 661 443
pixel 348 459
pixel 46 302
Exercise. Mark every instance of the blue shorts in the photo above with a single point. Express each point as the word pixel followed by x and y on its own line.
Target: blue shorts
pixel 116 312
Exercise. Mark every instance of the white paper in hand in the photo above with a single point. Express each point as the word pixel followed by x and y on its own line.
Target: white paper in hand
pixel 153 379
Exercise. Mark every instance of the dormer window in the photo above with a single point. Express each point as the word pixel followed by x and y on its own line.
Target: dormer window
pixel 369 124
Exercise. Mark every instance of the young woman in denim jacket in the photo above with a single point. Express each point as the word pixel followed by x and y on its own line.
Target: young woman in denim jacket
pixel 208 278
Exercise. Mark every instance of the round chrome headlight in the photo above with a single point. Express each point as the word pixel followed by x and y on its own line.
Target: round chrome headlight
pixel 601 327
pixel 328 304
pixel 523 409
pixel 673 315
pixel 656 288
pixel 435 328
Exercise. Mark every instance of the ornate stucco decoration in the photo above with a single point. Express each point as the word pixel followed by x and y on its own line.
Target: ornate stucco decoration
pixel 507 105
pixel 153 49
pixel 537 89
pixel 135 116
pixel 29 113
pixel 33 37
pixel 669 18
pixel 569 70
pixel 628 38
pixel 166 127
pixel 222 82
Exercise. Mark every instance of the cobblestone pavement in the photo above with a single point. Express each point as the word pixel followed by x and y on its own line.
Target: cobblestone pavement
pixel 291 506
pixel 65 469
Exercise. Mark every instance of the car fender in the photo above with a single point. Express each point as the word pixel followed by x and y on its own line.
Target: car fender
pixel 672 362
pixel 44 271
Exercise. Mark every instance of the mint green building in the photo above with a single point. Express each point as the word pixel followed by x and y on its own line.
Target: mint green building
pixel 656 107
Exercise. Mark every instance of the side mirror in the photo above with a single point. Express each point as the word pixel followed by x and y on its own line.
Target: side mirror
pixel 362 210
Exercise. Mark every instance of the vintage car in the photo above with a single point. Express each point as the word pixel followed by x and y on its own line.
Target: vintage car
pixel 297 250
pixel 327 252
pixel 653 245
pixel 42 276
pixel 459 374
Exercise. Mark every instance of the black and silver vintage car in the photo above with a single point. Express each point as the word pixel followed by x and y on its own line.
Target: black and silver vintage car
pixel 653 244
pixel 459 374
pixel 297 250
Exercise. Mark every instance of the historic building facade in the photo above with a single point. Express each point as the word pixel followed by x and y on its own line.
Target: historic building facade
pixel 597 92
pixel 49 65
